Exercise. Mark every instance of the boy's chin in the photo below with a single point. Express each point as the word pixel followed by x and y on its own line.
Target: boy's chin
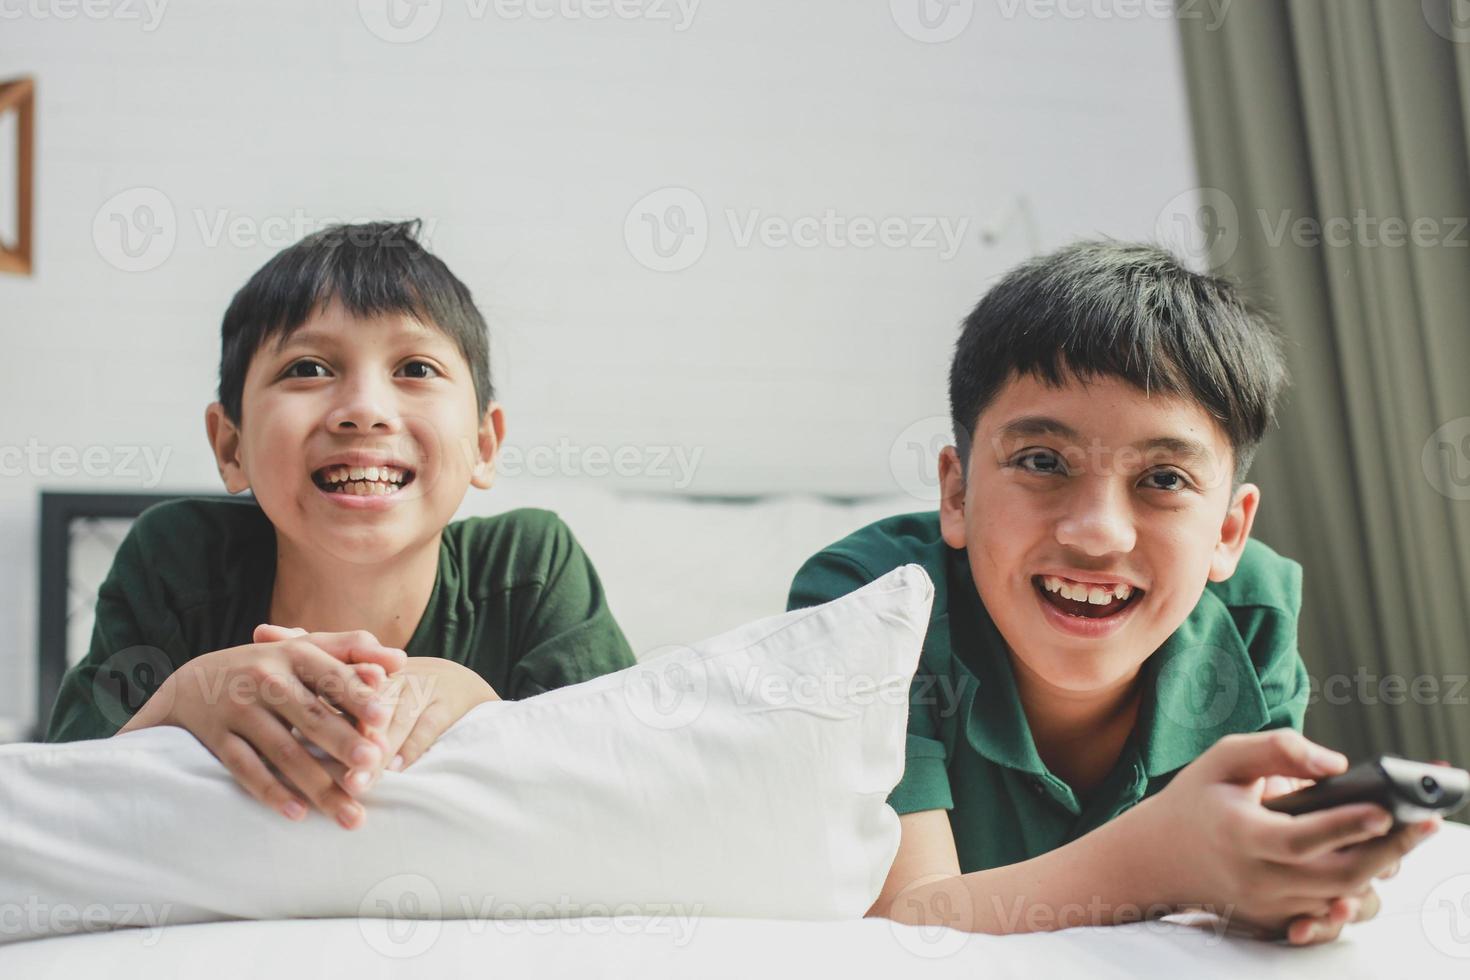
pixel 1085 673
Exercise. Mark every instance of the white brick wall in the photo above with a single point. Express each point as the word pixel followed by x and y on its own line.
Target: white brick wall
pixel 526 142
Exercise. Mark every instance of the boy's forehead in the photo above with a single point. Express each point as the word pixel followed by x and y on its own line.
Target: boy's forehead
pixel 334 325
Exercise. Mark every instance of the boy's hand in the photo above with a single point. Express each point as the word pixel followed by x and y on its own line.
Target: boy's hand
pixel 1304 876
pixel 426 695
pixel 242 704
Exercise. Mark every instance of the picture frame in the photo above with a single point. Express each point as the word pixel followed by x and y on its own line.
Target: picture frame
pixel 19 96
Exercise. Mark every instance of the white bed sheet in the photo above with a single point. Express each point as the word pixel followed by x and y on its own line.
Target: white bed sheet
pixel 1423 931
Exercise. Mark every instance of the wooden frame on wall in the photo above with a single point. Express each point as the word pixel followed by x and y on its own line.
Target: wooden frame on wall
pixel 19 96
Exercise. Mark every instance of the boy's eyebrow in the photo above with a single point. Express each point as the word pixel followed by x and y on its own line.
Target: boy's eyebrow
pixel 1188 450
pixel 305 337
pixel 1038 425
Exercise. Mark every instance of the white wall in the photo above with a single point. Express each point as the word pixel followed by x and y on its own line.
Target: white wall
pixel 528 145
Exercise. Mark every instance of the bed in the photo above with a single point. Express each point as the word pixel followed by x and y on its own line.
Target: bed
pixel 728 562
pixel 1423 930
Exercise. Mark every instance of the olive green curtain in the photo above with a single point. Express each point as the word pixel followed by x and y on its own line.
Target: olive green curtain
pixel 1332 136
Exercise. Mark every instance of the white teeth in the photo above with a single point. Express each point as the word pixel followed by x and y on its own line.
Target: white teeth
pixel 364 480
pixel 1097 595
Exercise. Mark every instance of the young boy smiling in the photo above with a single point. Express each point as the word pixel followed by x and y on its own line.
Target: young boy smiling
pixel 1110 674
pixel 339 622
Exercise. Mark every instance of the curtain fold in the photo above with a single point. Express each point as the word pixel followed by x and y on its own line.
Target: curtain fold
pixel 1334 134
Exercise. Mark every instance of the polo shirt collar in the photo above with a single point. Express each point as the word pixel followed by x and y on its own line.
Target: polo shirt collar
pixel 1199 686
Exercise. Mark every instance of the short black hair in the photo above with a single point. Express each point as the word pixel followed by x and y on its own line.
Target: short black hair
pixel 1130 311
pixel 372 269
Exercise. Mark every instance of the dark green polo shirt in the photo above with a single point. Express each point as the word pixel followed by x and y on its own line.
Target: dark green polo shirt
pixel 515 599
pixel 1232 666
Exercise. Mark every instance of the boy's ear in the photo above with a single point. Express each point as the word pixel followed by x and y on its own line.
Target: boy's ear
pixel 224 439
pixel 951 497
pixel 488 438
pixel 1235 531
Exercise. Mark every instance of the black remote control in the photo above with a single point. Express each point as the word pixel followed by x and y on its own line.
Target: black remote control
pixel 1411 791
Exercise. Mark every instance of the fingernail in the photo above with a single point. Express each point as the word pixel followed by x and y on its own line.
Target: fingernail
pixel 1378 825
pixel 348 815
pixel 1328 759
pixel 293 810
pixel 397 764
pixel 1426 828
pixel 365 754
pixel 375 713
pixel 358 779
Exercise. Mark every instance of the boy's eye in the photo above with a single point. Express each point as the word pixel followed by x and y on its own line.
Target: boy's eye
pixel 417 369
pixel 306 369
pixel 1167 480
pixel 1040 461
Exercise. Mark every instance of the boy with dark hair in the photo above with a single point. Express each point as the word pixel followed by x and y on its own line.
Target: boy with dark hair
pixel 355 404
pixel 1110 673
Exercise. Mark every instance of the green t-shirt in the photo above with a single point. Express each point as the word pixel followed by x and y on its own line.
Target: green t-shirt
pixel 515 599
pixel 1232 666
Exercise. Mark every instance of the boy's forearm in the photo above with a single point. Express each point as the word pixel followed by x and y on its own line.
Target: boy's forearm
pixel 1110 876
pixel 152 712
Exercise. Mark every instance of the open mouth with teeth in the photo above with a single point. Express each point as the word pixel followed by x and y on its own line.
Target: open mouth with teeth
pixel 362 481
pixel 1084 599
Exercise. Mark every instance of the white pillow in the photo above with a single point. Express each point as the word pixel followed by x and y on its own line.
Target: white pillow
pixel 744 776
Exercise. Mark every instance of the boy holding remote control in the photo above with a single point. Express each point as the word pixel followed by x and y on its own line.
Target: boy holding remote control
pixel 1110 683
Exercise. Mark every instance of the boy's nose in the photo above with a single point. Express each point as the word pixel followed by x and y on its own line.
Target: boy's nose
pixel 1097 523
pixel 363 413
